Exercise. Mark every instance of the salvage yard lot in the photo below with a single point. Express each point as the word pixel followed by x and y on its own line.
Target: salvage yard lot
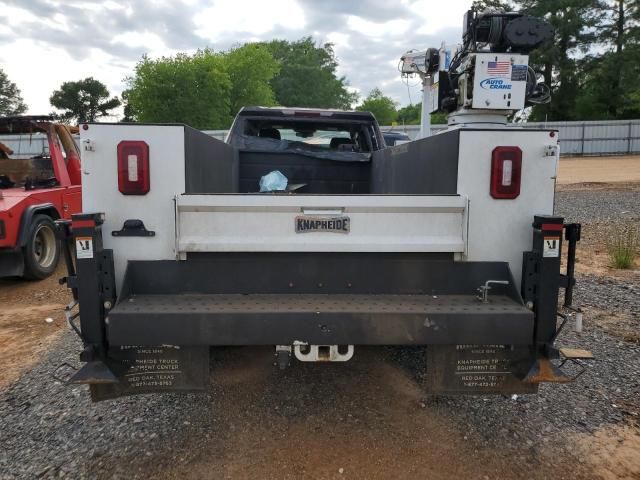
pixel 368 418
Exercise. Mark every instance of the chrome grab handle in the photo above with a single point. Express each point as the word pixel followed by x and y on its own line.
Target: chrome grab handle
pixel 484 289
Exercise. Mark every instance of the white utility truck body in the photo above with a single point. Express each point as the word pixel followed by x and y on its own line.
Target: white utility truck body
pixel 472 224
pixel 448 242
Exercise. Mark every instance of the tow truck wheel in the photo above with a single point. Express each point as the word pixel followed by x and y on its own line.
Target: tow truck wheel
pixel 42 251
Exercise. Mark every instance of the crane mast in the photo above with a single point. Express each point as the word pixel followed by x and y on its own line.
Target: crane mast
pixel 487 77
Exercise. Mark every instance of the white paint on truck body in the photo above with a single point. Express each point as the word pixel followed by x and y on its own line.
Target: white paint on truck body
pixel 156 209
pixel 472 225
pixel 500 230
pixel 266 223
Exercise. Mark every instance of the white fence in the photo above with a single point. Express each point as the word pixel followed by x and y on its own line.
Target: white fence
pixel 614 137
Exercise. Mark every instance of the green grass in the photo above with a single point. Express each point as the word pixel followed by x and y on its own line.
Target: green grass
pixel 623 247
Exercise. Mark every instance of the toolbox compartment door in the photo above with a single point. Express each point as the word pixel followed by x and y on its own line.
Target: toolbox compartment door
pixel 321 223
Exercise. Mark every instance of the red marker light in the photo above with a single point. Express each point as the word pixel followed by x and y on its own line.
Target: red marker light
pixel 506 168
pixel 133 167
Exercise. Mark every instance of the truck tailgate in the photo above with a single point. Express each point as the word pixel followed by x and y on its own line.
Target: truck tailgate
pixel 361 223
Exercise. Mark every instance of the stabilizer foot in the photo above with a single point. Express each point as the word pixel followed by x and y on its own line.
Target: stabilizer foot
pixel 94 372
pixel 544 371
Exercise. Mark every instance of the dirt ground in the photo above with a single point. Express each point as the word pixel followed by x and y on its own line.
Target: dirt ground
pixel 613 453
pixel 614 169
pixel 404 437
pixel 592 255
pixel 25 333
pixel 594 174
pixel 360 447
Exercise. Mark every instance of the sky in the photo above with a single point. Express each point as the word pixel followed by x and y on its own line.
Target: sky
pixel 44 43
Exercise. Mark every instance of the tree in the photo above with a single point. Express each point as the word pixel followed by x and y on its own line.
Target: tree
pixel 574 22
pixel 439 118
pixel 307 76
pixel 251 68
pixel 127 109
pixel 383 107
pixel 192 89
pixel 11 102
pixel 611 78
pixel 207 89
pixel 83 101
pixel 204 90
pixel 412 115
pixel 482 5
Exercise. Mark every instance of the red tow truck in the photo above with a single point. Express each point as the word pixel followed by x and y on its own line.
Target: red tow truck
pixel 39 184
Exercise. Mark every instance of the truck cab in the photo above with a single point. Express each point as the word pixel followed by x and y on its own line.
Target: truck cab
pixel 39 184
pixel 318 151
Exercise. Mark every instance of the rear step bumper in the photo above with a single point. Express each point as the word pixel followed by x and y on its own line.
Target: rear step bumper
pixel 319 298
pixel 287 319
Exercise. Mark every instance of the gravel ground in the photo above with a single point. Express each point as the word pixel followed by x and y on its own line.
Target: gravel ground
pixel 592 206
pixel 365 419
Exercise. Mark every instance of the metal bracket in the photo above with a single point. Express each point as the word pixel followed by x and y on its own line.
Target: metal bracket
pixel 89 145
pixel 572 235
pixel 283 356
pixel 565 319
pixel 133 228
pixel 576 356
pixel 65 236
pixel 56 376
pixel 484 289
pixel 70 316
pixel 550 150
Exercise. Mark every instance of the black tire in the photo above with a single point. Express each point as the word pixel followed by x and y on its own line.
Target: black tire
pixel 42 251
